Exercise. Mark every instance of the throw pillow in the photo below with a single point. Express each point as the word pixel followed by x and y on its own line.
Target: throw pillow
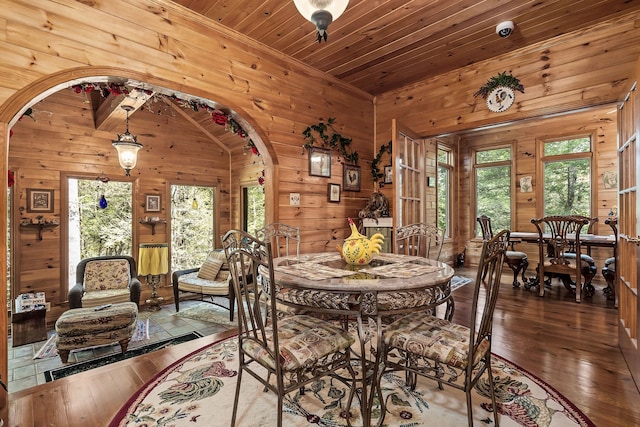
pixel 210 269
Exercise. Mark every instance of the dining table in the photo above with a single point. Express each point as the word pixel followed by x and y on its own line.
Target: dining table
pixel 589 240
pixel 365 296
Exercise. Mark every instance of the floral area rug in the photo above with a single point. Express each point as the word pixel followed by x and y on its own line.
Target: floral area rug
pixel 199 391
pixel 49 348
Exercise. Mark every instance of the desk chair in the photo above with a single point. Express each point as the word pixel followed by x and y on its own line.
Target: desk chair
pixel 444 351
pixel 516 260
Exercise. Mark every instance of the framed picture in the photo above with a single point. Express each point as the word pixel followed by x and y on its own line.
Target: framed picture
pixel 334 193
pixel 351 177
pixel 152 203
pixel 39 200
pixel 388 174
pixel 319 162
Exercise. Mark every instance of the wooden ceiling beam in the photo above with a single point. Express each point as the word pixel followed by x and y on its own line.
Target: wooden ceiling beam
pixel 180 111
pixel 110 116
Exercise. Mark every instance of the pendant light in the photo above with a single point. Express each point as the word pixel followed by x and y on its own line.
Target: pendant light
pixel 127 146
pixel 321 13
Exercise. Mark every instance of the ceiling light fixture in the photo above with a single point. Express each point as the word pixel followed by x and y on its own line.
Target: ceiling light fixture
pixel 321 13
pixel 127 146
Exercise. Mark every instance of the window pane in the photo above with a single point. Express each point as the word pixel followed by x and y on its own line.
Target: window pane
pixel 567 187
pixel 444 215
pixel 569 146
pixel 192 227
pixel 253 208
pixel 493 195
pixel 496 155
pixel 98 226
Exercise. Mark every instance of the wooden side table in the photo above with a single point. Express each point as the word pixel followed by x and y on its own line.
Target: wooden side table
pixel 28 327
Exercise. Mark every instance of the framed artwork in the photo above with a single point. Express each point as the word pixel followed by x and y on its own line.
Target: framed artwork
pixel 152 203
pixel 333 193
pixel 319 162
pixel 351 177
pixel 39 201
pixel 388 174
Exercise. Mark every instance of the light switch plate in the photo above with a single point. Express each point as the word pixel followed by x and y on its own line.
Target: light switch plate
pixel 294 199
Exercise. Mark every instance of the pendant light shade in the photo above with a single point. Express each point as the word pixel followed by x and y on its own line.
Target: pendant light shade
pixel 321 13
pixel 127 146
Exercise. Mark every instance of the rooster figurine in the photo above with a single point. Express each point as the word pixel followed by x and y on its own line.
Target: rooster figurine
pixel 358 249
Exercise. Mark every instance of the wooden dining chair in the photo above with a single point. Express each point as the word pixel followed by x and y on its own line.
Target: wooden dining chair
pixel 444 351
pixel 517 261
pixel 419 239
pixel 558 248
pixel 295 350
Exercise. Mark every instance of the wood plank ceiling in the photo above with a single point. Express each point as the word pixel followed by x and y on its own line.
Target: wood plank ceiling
pixel 382 45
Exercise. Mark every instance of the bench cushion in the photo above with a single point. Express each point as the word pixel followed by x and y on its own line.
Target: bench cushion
pixel 190 282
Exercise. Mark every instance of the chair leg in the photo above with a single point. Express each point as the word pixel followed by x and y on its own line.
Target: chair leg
pixel 236 398
pixel 492 390
pixel 124 344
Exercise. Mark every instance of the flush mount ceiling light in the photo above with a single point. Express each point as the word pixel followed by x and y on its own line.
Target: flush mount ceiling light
pixel 127 146
pixel 321 13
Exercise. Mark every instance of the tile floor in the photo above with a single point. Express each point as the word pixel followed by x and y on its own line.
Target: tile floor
pixel 25 371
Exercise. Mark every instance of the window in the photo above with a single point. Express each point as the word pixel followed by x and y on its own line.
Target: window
pixel 253 215
pixel 493 186
pixel 192 225
pixel 445 172
pixel 567 177
pixel 99 220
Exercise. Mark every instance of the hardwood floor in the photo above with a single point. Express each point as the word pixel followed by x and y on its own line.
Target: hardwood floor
pixel 571 346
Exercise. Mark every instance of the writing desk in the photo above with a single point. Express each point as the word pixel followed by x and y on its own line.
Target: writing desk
pixel 391 284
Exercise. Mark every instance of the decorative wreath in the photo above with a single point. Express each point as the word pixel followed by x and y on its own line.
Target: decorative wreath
pixel 502 79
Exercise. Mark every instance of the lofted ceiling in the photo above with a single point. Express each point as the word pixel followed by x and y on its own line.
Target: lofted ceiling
pixel 383 45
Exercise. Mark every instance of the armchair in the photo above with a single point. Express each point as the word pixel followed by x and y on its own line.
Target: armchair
pixel 105 280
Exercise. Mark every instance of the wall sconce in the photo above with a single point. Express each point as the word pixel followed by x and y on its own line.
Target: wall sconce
pixel 321 13
pixel 127 146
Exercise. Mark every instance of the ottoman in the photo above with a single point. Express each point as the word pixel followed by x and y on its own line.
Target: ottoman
pixel 87 327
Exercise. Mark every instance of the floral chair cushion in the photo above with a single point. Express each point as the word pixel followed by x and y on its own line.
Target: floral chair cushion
pixel 433 338
pixel 106 274
pixel 303 340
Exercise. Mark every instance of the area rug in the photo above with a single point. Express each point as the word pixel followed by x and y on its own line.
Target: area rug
pixel 459 281
pixel 206 312
pixel 65 371
pixel 49 348
pixel 198 390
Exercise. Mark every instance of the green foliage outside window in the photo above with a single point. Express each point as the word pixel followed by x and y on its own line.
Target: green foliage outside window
pixel 493 195
pixel 254 215
pixel 192 226
pixel 567 182
pixel 104 231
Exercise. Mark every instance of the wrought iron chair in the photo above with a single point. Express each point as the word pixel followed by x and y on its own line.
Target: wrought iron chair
pixel 516 260
pixel 423 240
pixel 419 239
pixel 297 349
pixel 283 237
pixel 558 246
pixel 444 351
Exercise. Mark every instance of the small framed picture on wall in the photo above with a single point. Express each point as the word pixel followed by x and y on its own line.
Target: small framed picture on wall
pixel 319 162
pixel 334 193
pixel 39 201
pixel 388 174
pixel 351 177
pixel 152 203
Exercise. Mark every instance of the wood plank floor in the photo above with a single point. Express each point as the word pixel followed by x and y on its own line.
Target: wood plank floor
pixel 570 346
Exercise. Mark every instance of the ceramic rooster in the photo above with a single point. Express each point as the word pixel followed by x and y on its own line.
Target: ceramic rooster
pixel 358 249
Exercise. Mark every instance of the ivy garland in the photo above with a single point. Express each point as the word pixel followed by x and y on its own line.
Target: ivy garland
pixel 333 141
pixel 502 79
pixel 374 164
